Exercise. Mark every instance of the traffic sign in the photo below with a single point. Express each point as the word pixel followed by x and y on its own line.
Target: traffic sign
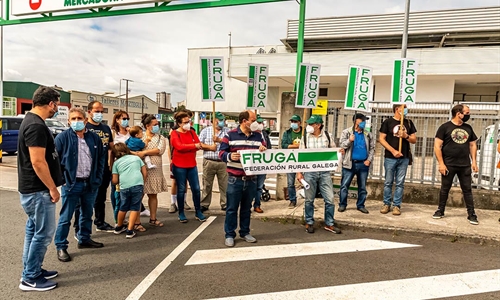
pixel 203 115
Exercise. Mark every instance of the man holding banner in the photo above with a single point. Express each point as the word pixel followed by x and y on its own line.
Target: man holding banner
pixel 396 162
pixel 291 140
pixel 317 138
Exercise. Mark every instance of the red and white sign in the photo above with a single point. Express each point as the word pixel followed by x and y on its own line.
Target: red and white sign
pixel 30 7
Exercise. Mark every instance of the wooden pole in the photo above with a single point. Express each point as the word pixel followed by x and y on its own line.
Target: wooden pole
pixel 402 118
pixel 213 116
pixel 304 124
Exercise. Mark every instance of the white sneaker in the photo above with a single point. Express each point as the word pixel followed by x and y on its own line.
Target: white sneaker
pixel 151 166
pixel 145 213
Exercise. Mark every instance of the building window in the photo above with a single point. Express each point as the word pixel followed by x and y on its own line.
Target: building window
pixel 105 110
pixel 84 108
pixel 115 110
pixel 261 51
pixel 323 92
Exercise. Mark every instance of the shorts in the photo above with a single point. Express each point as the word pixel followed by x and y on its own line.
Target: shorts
pixel 131 198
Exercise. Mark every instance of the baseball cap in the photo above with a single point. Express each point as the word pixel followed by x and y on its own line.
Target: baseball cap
pixel 295 118
pixel 315 119
pixel 259 119
pixel 219 116
pixel 360 116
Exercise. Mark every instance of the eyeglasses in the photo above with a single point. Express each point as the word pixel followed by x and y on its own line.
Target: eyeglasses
pixel 126 119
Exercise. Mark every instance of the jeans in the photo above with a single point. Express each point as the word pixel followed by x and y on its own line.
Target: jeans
pixel 361 171
pixel 260 185
pixel 322 181
pixel 211 169
pixel 82 195
pixel 395 170
pixel 131 198
pixel 40 228
pixel 191 175
pixel 464 175
pixel 240 193
pixel 115 201
pixel 100 200
pixel 292 193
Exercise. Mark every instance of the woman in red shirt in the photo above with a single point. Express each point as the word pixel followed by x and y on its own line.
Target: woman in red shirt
pixel 185 144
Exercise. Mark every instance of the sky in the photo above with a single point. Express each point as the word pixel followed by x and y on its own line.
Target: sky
pixel 92 55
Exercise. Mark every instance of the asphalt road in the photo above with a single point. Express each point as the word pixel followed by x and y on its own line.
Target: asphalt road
pixel 113 272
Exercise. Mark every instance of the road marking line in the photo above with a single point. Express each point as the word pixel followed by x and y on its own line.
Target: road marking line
pixel 291 250
pixel 430 287
pixel 148 281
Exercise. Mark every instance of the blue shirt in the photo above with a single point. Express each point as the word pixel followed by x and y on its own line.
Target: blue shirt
pixel 135 144
pixel 359 151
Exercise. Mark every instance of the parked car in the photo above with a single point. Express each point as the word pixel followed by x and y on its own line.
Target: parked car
pixel 55 126
pixel 274 136
pixel 10 133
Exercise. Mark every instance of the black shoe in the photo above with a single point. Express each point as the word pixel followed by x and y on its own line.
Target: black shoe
pixel 90 244
pixel 105 227
pixel 63 255
pixel 473 219
pixel 204 209
pixel 309 228
pixel 363 210
pixel 341 208
pixel 223 208
pixel 438 214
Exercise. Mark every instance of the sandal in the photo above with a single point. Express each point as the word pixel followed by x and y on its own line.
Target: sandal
pixel 139 227
pixel 155 223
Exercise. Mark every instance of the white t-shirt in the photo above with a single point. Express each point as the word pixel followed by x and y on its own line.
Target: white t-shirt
pixel 120 138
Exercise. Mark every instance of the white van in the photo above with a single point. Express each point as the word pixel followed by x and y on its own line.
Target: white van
pixel 487 158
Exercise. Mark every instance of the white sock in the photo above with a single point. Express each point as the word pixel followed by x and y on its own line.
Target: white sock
pixel 173 198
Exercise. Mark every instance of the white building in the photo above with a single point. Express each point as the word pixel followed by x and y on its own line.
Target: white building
pixel 458 52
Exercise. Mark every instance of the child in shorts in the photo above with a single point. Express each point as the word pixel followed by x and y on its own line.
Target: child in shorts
pixel 135 143
pixel 130 172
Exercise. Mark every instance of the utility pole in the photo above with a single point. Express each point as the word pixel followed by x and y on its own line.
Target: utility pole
pixel 142 107
pixel 126 93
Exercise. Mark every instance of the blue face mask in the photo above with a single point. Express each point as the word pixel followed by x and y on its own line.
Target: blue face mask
pixel 77 125
pixel 294 126
pixel 97 117
pixel 405 112
pixel 221 124
pixel 124 123
pixel 155 129
pixel 362 125
pixel 55 114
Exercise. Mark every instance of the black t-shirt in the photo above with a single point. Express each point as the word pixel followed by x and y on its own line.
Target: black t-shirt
pixel 456 141
pixel 104 132
pixel 34 133
pixel 391 128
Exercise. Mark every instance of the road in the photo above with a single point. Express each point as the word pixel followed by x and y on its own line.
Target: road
pixel 173 263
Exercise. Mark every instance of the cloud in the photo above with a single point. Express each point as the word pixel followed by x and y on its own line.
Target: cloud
pixel 92 55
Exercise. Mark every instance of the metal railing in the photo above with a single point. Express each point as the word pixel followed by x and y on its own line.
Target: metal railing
pixel 427 117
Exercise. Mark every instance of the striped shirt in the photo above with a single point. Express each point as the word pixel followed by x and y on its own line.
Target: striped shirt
pixel 206 137
pixel 84 159
pixel 314 142
pixel 236 140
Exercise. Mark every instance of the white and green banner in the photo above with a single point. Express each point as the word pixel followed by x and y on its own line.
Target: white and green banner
pixel 258 76
pixel 308 86
pixel 212 78
pixel 359 86
pixel 404 81
pixel 274 161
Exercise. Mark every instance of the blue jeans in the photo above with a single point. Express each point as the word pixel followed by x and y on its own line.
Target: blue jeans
pixel 191 175
pixel 322 181
pixel 131 198
pixel 361 171
pixel 292 193
pixel 115 201
pixel 40 228
pixel 395 170
pixel 240 193
pixel 260 185
pixel 81 195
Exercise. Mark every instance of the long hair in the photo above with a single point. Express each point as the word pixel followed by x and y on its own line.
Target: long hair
pixel 114 124
pixel 121 150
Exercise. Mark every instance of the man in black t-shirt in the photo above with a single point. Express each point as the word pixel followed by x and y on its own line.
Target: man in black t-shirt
pixel 396 162
pixel 455 147
pixel 39 175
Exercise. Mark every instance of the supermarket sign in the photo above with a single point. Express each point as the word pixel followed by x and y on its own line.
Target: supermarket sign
pixel 290 161
pixel 30 7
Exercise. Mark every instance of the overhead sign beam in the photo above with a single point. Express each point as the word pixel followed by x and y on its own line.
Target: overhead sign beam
pixel 104 10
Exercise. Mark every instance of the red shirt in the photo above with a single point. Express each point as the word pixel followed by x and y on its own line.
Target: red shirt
pixel 184 153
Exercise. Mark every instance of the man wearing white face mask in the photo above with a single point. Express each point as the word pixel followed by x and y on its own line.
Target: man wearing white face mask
pixel 291 140
pixel 82 162
pixel 212 164
pixel 317 138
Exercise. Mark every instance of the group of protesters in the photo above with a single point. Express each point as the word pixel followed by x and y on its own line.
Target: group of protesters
pixel 85 159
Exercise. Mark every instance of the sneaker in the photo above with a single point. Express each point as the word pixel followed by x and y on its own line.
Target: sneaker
pixel 332 229
pixel 105 228
pixel 49 274
pixel 39 285
pixel 182 218
pixel 199 216
pixel 130 234
pixel 309 228
pixel 173 208
pixel 341 208
pixel 385 209
pixel 76 237
pixel 292 204
pixel 120 229
pixel 151 166
pixel 438 214
pixel 396 211
pixel 186 206
pixel 229 242
pixel 473 219
pixel 249 238
pixel 145 213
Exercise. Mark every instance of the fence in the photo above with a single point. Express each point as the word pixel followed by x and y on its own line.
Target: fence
pixel 427 117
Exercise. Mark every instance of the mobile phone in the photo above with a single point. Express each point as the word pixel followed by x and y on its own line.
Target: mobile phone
pixel 446 172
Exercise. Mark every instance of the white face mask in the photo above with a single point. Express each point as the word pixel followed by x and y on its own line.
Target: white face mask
pixel 309 129
pixel 261 127
pixel 186 127
pixel 254 126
